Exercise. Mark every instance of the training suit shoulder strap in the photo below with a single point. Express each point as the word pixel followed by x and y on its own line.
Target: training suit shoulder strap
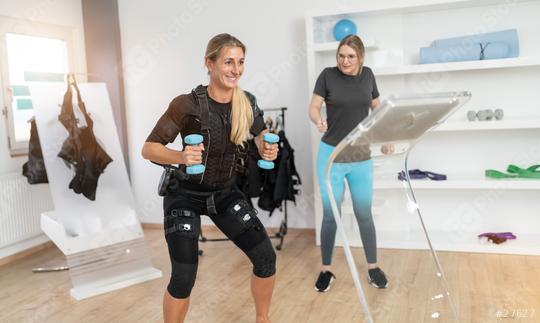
pixel 202 99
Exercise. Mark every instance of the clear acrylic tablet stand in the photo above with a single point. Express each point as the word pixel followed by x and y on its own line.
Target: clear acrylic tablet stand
pixel 387 136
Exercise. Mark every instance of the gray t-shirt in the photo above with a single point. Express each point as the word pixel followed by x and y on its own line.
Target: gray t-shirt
pixel 348 100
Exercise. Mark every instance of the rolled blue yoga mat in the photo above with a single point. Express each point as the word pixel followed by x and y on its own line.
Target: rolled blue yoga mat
pixel 494 50
pixel 510 37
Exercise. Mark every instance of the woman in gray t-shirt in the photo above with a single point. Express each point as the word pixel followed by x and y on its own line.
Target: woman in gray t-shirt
pixel 349 91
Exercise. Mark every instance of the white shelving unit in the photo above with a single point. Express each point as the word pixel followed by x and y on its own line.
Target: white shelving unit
pixel 458 66
pixel 523 245
pixel 479 184
pixel 460 148
pixel 533 123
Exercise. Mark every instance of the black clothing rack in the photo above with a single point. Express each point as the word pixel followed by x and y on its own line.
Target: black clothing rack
pixel 283 227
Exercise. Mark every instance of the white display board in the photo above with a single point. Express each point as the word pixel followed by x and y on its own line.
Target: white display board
pixel 96 236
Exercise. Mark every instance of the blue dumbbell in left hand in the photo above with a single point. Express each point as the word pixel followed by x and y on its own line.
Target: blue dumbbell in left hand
pixel 271 139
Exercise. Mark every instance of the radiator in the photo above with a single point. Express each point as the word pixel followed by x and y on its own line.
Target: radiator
pixel 21 205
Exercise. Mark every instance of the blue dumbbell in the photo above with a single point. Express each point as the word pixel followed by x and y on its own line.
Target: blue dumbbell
pixel 194 140
pixel 271 139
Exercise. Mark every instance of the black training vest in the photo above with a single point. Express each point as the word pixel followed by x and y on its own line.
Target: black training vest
pixel 220 154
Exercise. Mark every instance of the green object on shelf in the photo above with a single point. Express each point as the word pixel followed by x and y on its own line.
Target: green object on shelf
pixel 514 171
pixel 492 173
pixel 530 172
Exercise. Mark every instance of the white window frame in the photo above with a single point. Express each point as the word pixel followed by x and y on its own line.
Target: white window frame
pixel 10 25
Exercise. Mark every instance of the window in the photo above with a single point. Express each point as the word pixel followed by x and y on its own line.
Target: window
pixel 40 54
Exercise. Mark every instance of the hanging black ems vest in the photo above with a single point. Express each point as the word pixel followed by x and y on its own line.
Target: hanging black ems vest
pixel 34 168
pixel 80 150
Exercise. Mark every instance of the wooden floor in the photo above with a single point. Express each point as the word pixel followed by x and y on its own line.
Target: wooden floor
pixel 485 285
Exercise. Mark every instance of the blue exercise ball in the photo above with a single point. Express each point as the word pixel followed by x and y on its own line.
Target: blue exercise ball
pixel 344 28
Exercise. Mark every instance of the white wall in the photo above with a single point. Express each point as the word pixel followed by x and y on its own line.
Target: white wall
pixel 57 12
pixel 163 48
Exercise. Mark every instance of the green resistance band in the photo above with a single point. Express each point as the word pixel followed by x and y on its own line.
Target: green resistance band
pixel 514 171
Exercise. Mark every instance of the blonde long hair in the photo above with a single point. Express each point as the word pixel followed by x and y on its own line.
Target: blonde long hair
pixel 241 114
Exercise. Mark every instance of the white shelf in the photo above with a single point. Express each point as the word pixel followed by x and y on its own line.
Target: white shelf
pixel 462 184
pixel 532 123
pixel 467 241
pixel 332 46
pixel 457 66
pixel 525 244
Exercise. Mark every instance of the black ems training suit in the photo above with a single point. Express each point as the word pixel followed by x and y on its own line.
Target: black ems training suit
pixel 80 149
pixel 212 193
pixel 34 168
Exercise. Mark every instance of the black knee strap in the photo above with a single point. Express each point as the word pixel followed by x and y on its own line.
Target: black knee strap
pixel 182 220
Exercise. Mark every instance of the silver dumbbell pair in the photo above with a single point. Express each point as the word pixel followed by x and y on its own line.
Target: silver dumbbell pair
pixel 485 115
